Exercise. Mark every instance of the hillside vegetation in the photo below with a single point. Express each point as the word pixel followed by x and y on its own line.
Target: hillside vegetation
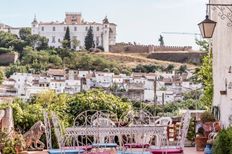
pixel 132 60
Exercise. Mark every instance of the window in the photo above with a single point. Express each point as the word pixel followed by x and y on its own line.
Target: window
pixel 54 28
pixel 53 39
pixel 65 28
pixel 75 28
pixel 97 28
pixel 97 40
pixel 86 28
pixel 58 40
pixel 42 28
pixel 105 26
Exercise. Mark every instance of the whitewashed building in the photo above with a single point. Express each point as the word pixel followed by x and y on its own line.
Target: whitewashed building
pixel 164 97
pixel 104 33
pixel 222 63
pixel 102 79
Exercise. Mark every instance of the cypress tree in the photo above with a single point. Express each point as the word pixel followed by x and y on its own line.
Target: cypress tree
pixel 89 42
pixel 67 40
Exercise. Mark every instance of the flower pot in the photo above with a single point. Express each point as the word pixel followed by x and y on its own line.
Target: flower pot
pixel 18 149
pixel 200 142
pixel 223 92
pixel 208 149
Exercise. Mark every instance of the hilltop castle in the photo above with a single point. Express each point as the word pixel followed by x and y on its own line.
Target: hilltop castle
pixel 104 33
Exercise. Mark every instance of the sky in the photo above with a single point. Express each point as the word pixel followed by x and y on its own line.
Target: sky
pixel 140 21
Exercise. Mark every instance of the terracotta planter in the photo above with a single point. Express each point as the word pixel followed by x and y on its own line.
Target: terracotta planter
pixel 223 92
pixel 200 142
pixel 18 149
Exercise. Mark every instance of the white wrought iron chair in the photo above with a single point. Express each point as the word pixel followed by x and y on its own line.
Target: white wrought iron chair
pixel 178 149
pixel 164 121
pixel 137 143
pixel 103 122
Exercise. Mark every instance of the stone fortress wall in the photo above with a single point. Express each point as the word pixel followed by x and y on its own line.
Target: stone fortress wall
pixel 181 54
pixel 131 48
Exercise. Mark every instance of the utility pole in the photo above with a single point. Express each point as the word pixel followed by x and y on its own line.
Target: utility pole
pixel 163 102
pixel 155 96
pixel 81 88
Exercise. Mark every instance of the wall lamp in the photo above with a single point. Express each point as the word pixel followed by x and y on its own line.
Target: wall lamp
pixel 207 26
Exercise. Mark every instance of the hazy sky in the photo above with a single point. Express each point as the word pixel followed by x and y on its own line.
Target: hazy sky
pixel 141 21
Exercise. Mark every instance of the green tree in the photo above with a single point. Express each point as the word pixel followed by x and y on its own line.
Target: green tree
pixel 203 44
pixel 42 43
pixel 75 43
pixel 8 40
pixel 182 69
pixel 15 68
pixel 205 75
pixel 89 42
pixel 24 33
pixel 67 41
pixel 55 59
pixel 98 100
pixel 1 76
pixel 169 68
pixel 194 94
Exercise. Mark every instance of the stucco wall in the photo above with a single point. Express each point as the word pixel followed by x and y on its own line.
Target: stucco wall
pixel 222 60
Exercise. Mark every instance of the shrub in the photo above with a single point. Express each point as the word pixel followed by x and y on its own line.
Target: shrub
pixel 223 142
pixel 4 50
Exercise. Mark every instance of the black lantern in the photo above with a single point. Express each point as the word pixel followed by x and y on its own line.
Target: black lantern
pixel 207 27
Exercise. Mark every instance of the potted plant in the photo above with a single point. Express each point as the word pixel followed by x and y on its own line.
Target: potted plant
pixel 19 142
pixel 207 120
pixel 9 147
pixel 200 139
pixel 3 139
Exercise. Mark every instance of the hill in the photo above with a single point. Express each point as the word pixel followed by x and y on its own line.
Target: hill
pixel 132 60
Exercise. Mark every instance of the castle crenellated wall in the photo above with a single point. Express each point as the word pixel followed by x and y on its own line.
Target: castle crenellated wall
pixel 131 48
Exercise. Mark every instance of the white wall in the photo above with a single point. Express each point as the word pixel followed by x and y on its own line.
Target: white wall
pixel 149 90
pixel 222 60
pixel 102 35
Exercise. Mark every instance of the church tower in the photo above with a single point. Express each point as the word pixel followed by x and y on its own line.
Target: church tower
pixel 35 26
pixel 106 27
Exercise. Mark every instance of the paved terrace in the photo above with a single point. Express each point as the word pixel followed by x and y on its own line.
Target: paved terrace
pixel 191 150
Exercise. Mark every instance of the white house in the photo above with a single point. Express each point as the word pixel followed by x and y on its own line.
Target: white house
pixel 222 64
pixel 72 86
pixel 104 33
pixel 165 96
pixel 149 93
pixel 58 86
pixel 21 81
